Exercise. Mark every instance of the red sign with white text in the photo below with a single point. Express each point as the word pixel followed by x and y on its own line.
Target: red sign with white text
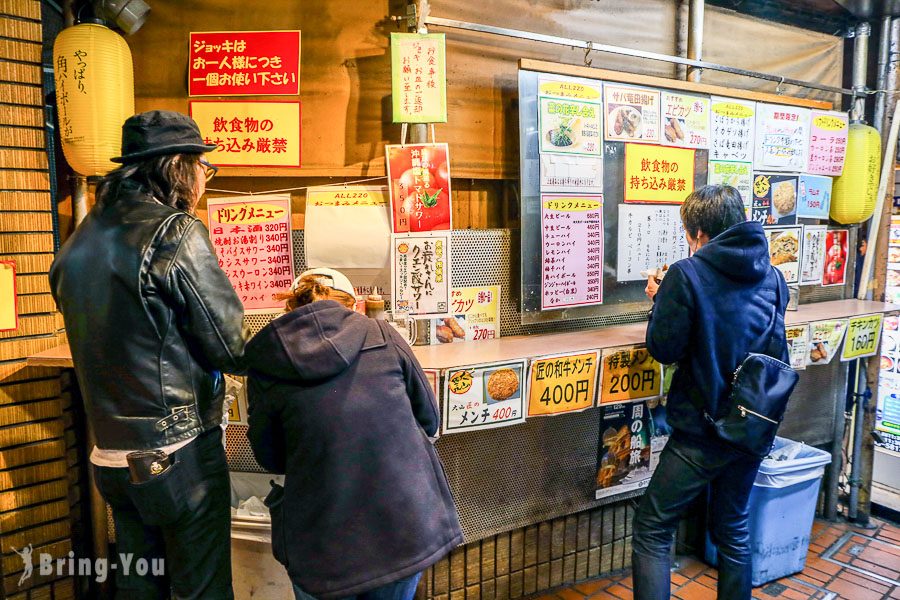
pixel 419 179
pixel 244 63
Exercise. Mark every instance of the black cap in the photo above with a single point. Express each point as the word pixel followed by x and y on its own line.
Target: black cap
pixel 160 132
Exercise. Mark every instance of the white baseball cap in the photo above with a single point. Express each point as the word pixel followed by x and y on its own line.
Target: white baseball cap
pixel 329 277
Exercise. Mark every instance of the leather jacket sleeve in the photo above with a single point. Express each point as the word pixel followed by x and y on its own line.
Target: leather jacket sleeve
pixel 210 314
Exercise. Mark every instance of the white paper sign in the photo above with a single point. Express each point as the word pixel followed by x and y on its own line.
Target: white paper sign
pixel 348 227
pixel 650 237
pixel 562 173
pixel 484 396
pixel 732 124
pixel 782 137
pixel 812 265
pixel 798 344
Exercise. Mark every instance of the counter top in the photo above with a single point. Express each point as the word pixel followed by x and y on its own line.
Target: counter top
pixel 446 356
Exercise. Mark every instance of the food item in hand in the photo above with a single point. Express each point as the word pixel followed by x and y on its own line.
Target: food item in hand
pixel 455 327
pixel 784 198
pixel 784 248
pixel 444 334
pixel 502 384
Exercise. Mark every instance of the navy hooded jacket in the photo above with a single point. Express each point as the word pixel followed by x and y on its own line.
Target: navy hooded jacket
pixel 708 315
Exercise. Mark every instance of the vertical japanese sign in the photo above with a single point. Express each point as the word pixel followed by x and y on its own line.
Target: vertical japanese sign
pixel 419 180
pixel 738 175
pixel 836 241
pixel 733 125
pixel 252 239
pixel 571 251
pixel 421 274
pixel 629 374
pixel 892 285
pixel 251 133
pixel 244 63
pixel 624 452
pixel 483 396
pixel 650 237
pixel 631 113
pixel 418 78
pixel 656 174
pixel 812 265
pixel 825 339
pixel 784 251
pixel 782 137
pixel 863 335
pixel 828 142
pixel 474 316
pixel 798 344
pixel 9 314
pixel 887 410
pixel 562 384
pixel 685 120
pixel 814 197
pixel 347 227
pixel 570 126
pixel 774 200
pixel 72 83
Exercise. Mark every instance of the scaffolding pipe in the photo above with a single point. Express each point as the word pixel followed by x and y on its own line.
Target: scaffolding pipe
pixel 860 62
pixel 695 37
pixel 884 47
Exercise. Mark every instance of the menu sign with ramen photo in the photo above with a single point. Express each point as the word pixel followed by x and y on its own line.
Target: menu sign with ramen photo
pixel 483 396
pixel 623 457
pixel 632 114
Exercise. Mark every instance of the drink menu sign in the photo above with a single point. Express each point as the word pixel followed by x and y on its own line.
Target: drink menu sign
pixel 244 63
pixel 571 250
pixel 252 240
pixel 732 125
pixel 828 142
pixel 782 137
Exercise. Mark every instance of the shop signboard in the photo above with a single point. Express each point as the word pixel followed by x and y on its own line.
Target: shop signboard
pixel 738 175
pixel 658 174
pixel 250 133
pixel 733 125
pixel 785 250
pixel 814 196
pixel 562 384
pixel 631 113
pixel 347 227
pixel 244 63
pixel 828 142
pixel 812 264
pixel 629 374
pixel 483 396
pixel 474 316
pixel 421 274
pixel 419 180
pixel 836 252
pixel 571 250
pixel 774 200
pixel 889 441
pixel 782 137
pixel 863 335
pixel 887 410
pixel 9 314
pixel 419 77
pixel 650 237
pixel 252 239
pixel 825 339
pixel 624 452
pixel 685 120
pixel 798 342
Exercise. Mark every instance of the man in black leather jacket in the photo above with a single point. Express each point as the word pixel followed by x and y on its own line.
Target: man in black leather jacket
pixel 153 322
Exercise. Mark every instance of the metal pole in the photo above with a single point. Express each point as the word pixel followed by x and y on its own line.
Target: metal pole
pixel 79 199
pixel 837 459
pixel 860 58
pixel 695 37
pixel 884 46
pixel 681 35
pixel 859 402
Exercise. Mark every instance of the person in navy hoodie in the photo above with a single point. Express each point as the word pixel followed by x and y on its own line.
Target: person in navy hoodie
pixel 709 311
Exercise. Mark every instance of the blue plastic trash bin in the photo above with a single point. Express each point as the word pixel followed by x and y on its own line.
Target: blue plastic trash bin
pixel 782 507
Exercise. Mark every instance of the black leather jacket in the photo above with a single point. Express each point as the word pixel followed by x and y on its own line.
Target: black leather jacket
pixel 152 322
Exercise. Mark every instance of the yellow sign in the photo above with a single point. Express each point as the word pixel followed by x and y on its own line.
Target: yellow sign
pixel 862 338
pixel 8 313
pixel 569 89
pixel 658 174
pixel 250 134
pixel 630 374
pixel 562 384
pixel 355 196
pixel 460 382
pixel 829 123
pixel 732 110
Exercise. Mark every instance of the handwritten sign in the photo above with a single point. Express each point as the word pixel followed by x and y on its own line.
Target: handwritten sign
pixel 624 455
pixel 738 175
pixel 562 384
pixel 733 125
pixel 474 316
pixel 812 264
pixel 483 396
pixel 798 344
pixel 631 114
pixel 685 120
pixel 828 142
pixel 244 63
pixel 571 251
pixel 782 137
pixel 347 227
pixel 658 174
pixel 863 334
pixel 774 200
pixel 418 78
pixel 825 339
pixel 250 133
pixel 252 239
pixel 629 374
pixel 650 237
pixel 571 127
pixel 9 314
pixel 419 180
pixel 421 274
pixel 814 196
pixel 574 174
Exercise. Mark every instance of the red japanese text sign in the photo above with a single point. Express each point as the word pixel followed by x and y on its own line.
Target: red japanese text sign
pixel 252 239
pixel 419 179
pixel 250 134
pixel 244 63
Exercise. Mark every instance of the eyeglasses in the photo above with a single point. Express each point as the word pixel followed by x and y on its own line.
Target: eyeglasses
pixel 208 169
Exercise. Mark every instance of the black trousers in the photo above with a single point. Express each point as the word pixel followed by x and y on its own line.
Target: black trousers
pixel 685 470
pixel 183 517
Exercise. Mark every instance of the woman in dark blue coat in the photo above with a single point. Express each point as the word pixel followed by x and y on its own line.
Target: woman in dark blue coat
pixel 339 404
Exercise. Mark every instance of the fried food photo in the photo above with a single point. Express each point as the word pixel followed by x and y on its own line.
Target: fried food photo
pixel 784 248
pixel 674 131
pixel 784 198
pixel 455 328
pixel 444 334
pixel 818 352
pixel 502 384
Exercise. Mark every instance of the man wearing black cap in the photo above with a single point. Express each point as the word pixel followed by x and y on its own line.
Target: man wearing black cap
pixel 153 323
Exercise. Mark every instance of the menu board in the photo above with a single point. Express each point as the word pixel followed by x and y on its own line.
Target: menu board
pixel 629 374
pixel 631 113
pixel 421 274
pixel 685 120
pixel 828 142
pixel 570 126
pixel 812 264
pixel 738 175
pixel 483 396
pixel 887 410
pixel 798 344
pixel 657 174
pixel 562 384
pixel 733 126
pixel 347 227
pixel 782 137
pixel 774 199
pixel 836 242
pixel 624 452
pixel 784 251
pixel 892 285
pixel 825 339
pixel 814 196
pixel 571 250
pixel 650 237
pixel 474 316
pixel 863 335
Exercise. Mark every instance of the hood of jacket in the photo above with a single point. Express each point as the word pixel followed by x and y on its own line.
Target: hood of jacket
pixel 313 342
pixel 740 253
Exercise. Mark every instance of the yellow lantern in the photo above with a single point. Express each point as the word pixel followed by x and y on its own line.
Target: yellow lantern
pixel 94 95
pixel 855 192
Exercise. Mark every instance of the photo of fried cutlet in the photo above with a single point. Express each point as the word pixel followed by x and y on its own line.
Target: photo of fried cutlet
pixel 501 385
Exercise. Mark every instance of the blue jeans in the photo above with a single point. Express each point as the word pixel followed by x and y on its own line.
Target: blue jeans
pixel 404 589
pixel 685 469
